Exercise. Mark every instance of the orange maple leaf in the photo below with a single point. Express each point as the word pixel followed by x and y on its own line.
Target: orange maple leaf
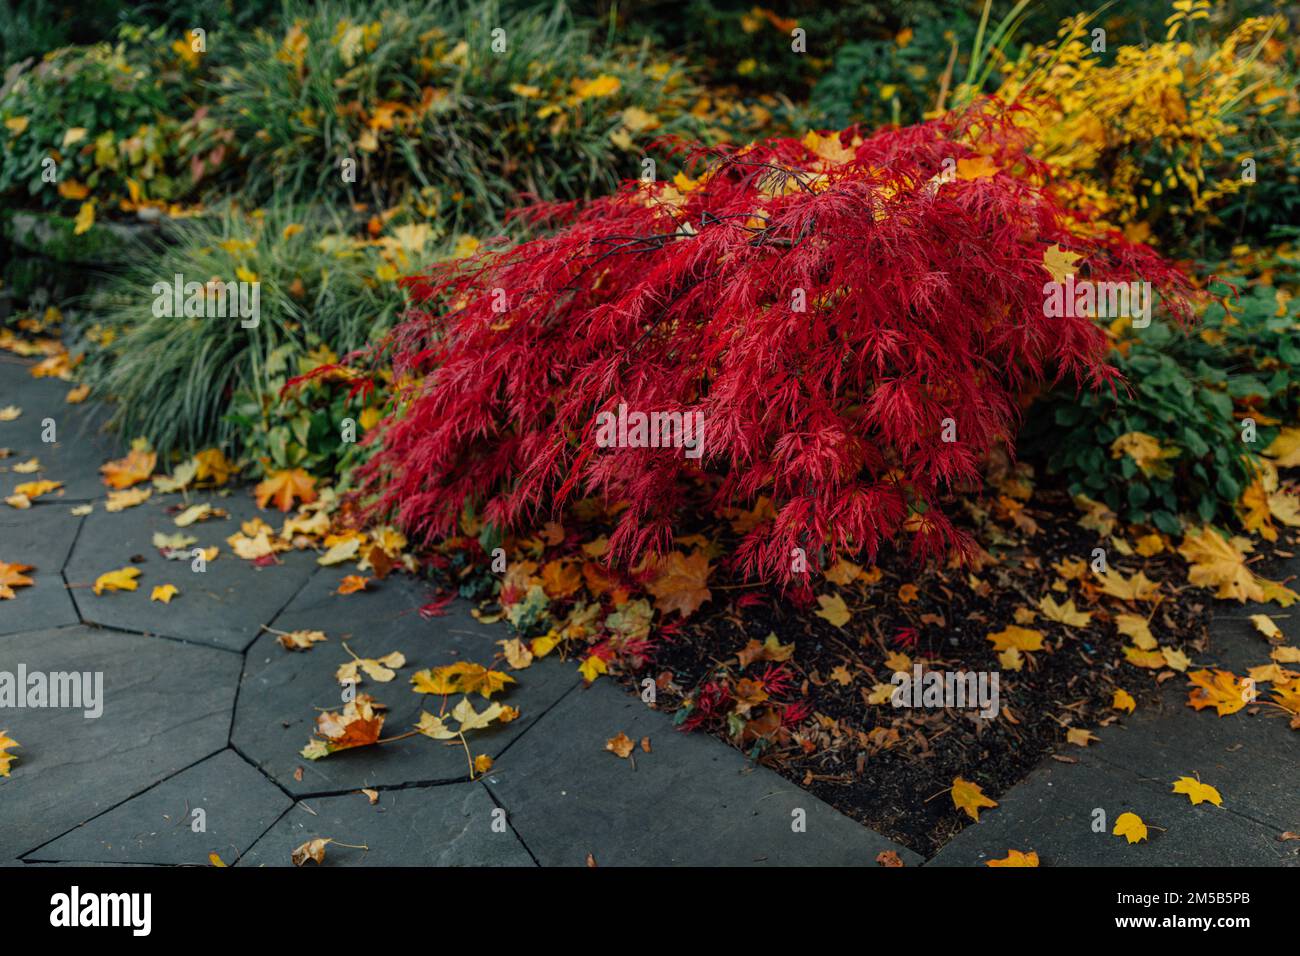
pixel 1222 690
pixel 131 470
pixel 13 576
pixel 284 487
pixel 353 583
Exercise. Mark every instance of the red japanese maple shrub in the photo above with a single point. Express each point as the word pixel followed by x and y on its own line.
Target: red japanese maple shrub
pixel 825 306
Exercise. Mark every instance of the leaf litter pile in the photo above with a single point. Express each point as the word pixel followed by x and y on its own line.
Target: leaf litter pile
pixel 799 681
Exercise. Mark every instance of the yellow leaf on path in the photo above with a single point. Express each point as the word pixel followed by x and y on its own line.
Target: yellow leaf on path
pixel 77 395
pixel 194 513
pixel 352 583
pixel 34 489
pixel 376 668
pixel 620 745
pixel 434 727
pixel 216 860
pixel 1197 792
pixel 1217 562
pixel 1080 737
pixel 1130 825
pixel 10 413
pixel 1065 613
pixel 123 579
pixel 343 551
pixel 285 487
pixel 482 763
pixel 300 640
pixel 85 218
pixel 1021 638
pixel 592 667
pixel 1222 690
pixel 1286 655
pixel 121 500
pixel 1123 700
pixel 6 758
pixel 471 720
pixel 833 609
pixel 970 797
pixel 164 593
pixel 13 576
pixel 1060 262
pixel 1015 858
pixel 136 467
pixel 517 655
pixel 681 583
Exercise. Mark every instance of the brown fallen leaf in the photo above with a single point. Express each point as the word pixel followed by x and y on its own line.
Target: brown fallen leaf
pixel 371 795
pixel 311 850
pixel 889 858
pixel 620 745
pixel 299 640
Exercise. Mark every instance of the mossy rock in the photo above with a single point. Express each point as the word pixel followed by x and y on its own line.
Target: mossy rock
pixel 54 237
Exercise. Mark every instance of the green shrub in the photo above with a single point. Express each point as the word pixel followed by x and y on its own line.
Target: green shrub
pixel 177 380
pixel 415 95
pixel 1182 422
pixel 109 116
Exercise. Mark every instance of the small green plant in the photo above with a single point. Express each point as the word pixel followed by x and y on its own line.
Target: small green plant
pixel 1179 440
pixel 176 378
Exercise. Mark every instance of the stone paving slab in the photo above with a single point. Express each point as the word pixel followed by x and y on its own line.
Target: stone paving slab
pixel 450 825
pixel 1254 761
pixel 165 706
pixel 81 445
pixel 690 801
pixel 43 539
pixel 238 805
pixel 283 691
pixel 224 606
pixel 1051 812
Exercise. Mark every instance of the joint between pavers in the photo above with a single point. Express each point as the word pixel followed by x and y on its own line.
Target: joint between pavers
pixel 510 823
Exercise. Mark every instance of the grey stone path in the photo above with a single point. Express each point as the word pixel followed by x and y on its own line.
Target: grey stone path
pixel 204 716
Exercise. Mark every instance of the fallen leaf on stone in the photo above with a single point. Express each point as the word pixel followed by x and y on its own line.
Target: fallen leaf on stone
pixel 34 489
pixel 1197 792
pixel 342 551
pixel 29 467
pixel 517 655
pixel 123 579
pixel 352 583
pixel 6 758
pixel 311 850
pixel 1176 659
pixel 470 719
pixel 970 797
pixel 285 487
pixel 82 510
pixel 180 479
pixel 1080 737
pixel 1015 858
pixel 1220 563
pixel 215 860
pixel 371 795
pixel 136 467
pixel 482 763
pixel 172 542
pixel 1264 624
pixel 9 413
pixel 358 725
pixel 889 858
pixel 1123 700
pixel 164 593
pixel 1222 690
pixel 463 677
pixel 379 669
pixel 1130 826
pixel 299 640
pixel 1286 655
pixel 620 745
pixel 195 513
pixel 121 500
pixel 13 576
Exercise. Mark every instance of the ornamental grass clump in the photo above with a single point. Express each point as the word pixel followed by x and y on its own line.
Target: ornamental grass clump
pixel 851 320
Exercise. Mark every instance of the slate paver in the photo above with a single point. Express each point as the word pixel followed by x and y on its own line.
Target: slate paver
pixel 81 444
pixel 690 801
pixel 165 706
pixel 223 606
pixel 1051 812
pixel 450 825
pixel 159 826
pixel 43 539
pixel 282 691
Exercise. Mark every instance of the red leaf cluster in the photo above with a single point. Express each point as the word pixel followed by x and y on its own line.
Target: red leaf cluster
pixel 824 316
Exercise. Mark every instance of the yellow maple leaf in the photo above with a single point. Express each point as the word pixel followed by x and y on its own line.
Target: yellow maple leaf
pixel 1015 858
pixel 123 579
pixel 833 609
pixel 1065 613
pixel 1197 792
pixel 1218 562
pixel 970 797
pixel 1060 262
pixel 1220 689
pixel 1130 826
pixel 1123 700
pixel 1021 638
pixel 592 667
pixel 1080 737
pixel 34 489
pixel 164 593
pixel 13 576
pixel 1285 448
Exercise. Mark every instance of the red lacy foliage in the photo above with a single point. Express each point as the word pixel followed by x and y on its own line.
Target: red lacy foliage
pixel 924 301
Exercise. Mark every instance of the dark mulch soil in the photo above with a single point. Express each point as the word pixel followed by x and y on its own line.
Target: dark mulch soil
pixel 897 785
